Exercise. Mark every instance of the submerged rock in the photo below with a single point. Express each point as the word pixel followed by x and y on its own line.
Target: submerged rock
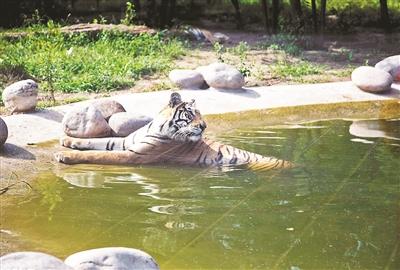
pixel 222 76
pixel 123 123
pixel 21 96
pixel 3 132
pixel 31 261
pixel 108 107
pixel 187 79
pixel 392 65
pixel 85 122
pixel 111 258
pixel 371 79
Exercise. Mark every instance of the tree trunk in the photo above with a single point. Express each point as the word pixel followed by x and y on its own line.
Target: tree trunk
pixel 275 15
pixel 385 15
pixel 265 11
pixel 296 7
pixel 239 22
pixel 323 14
pixel 314 15
pixel 171 15
pixel 137 6
pixel 163 13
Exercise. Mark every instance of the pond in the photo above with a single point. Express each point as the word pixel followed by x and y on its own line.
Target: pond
pixel 338 209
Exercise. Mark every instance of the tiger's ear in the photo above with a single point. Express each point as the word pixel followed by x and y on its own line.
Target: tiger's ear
pixel 175 99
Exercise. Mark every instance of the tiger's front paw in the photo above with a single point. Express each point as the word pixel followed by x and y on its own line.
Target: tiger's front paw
pixel 69 142
pixel 63 157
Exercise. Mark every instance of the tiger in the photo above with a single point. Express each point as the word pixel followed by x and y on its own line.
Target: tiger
pixel 174 136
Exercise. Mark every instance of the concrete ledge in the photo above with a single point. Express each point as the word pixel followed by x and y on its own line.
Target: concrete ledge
pixel 45 125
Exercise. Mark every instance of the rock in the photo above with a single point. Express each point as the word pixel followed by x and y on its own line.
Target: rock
pixel 123 123
pixel 108 107
pixel 220 38
pixel 85 122
pixel 111 258
pixel 222 76
pixel 3 132
pixel 371 79
pixel 187 79
pixel 31 261
pixel 392 65
pixel 21 96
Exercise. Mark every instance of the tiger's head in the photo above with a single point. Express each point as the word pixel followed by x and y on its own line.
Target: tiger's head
pixel 181 120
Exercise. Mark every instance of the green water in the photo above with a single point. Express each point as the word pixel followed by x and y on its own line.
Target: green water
pixel 339 209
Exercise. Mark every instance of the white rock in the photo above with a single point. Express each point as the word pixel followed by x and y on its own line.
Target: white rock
pixel 392 65
pixel 371 79
pixel 222 76
pixel 21 96
pixel 85 122
pixel 111 258
pixel 31 261
pixel 3 132
pixel 187 79
pixel 124 123
pixel 108 107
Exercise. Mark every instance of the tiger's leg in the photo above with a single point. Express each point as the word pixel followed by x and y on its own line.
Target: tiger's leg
pixel 107 144
pixel 99 157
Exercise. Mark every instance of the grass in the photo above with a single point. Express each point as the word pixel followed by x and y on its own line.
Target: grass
pixel 83 63
pixel 294 71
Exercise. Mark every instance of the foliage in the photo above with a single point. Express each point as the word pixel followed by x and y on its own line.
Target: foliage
pixel 80 62
pixel 239 51
pixel 130 14
pixel 288 70
pixel 283 42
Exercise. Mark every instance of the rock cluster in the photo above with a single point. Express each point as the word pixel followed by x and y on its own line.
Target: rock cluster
pixel 3 132
pixel 379 78
pixel 94 259
pixel 21 96
pixel 216 75
pixel 102 119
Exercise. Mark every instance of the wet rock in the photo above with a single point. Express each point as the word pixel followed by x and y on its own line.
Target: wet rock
pixel 3 132
pixel 187 79
pixel 111 258
pixel 108 107
pixel 123 123
pixel 222 76
pixel 31 261
pixel 392 65
pixel 21 96
pixel 85 122
pixel 371 79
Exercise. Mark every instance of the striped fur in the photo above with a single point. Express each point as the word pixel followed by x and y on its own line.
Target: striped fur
pixel 174 137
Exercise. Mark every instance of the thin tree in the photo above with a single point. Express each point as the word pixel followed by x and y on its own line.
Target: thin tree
pixel 275 15
pixel 323 14
pixel 314 15
pixel 385 15
pixel 296 9
pixel 264 6
pixel 239 22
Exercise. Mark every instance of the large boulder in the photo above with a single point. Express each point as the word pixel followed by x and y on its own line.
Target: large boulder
pixel 3 132
pixel 21 96
pixel 108 107
pixel 31 261
pixel 123 123
pixel 371 79
pixel 392 65
pixel 85 122
pixel 187 79
pixel 111 258
pixel 222 76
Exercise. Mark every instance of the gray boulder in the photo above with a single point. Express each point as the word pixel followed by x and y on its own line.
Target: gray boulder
pixel 85 122
pixel 392 65
pixel 31 261
pixel 111 258
pixel 187 79
pixel 371 79
pixel 123 123
pixel 222 76
pixel 108 107
pixel 3 132
pixel 21 96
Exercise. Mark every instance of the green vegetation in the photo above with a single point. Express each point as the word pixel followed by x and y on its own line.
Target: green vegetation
pixel 294 71
pixel 70 62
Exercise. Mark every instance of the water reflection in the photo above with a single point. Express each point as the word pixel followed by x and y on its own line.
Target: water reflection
pixel 388 129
